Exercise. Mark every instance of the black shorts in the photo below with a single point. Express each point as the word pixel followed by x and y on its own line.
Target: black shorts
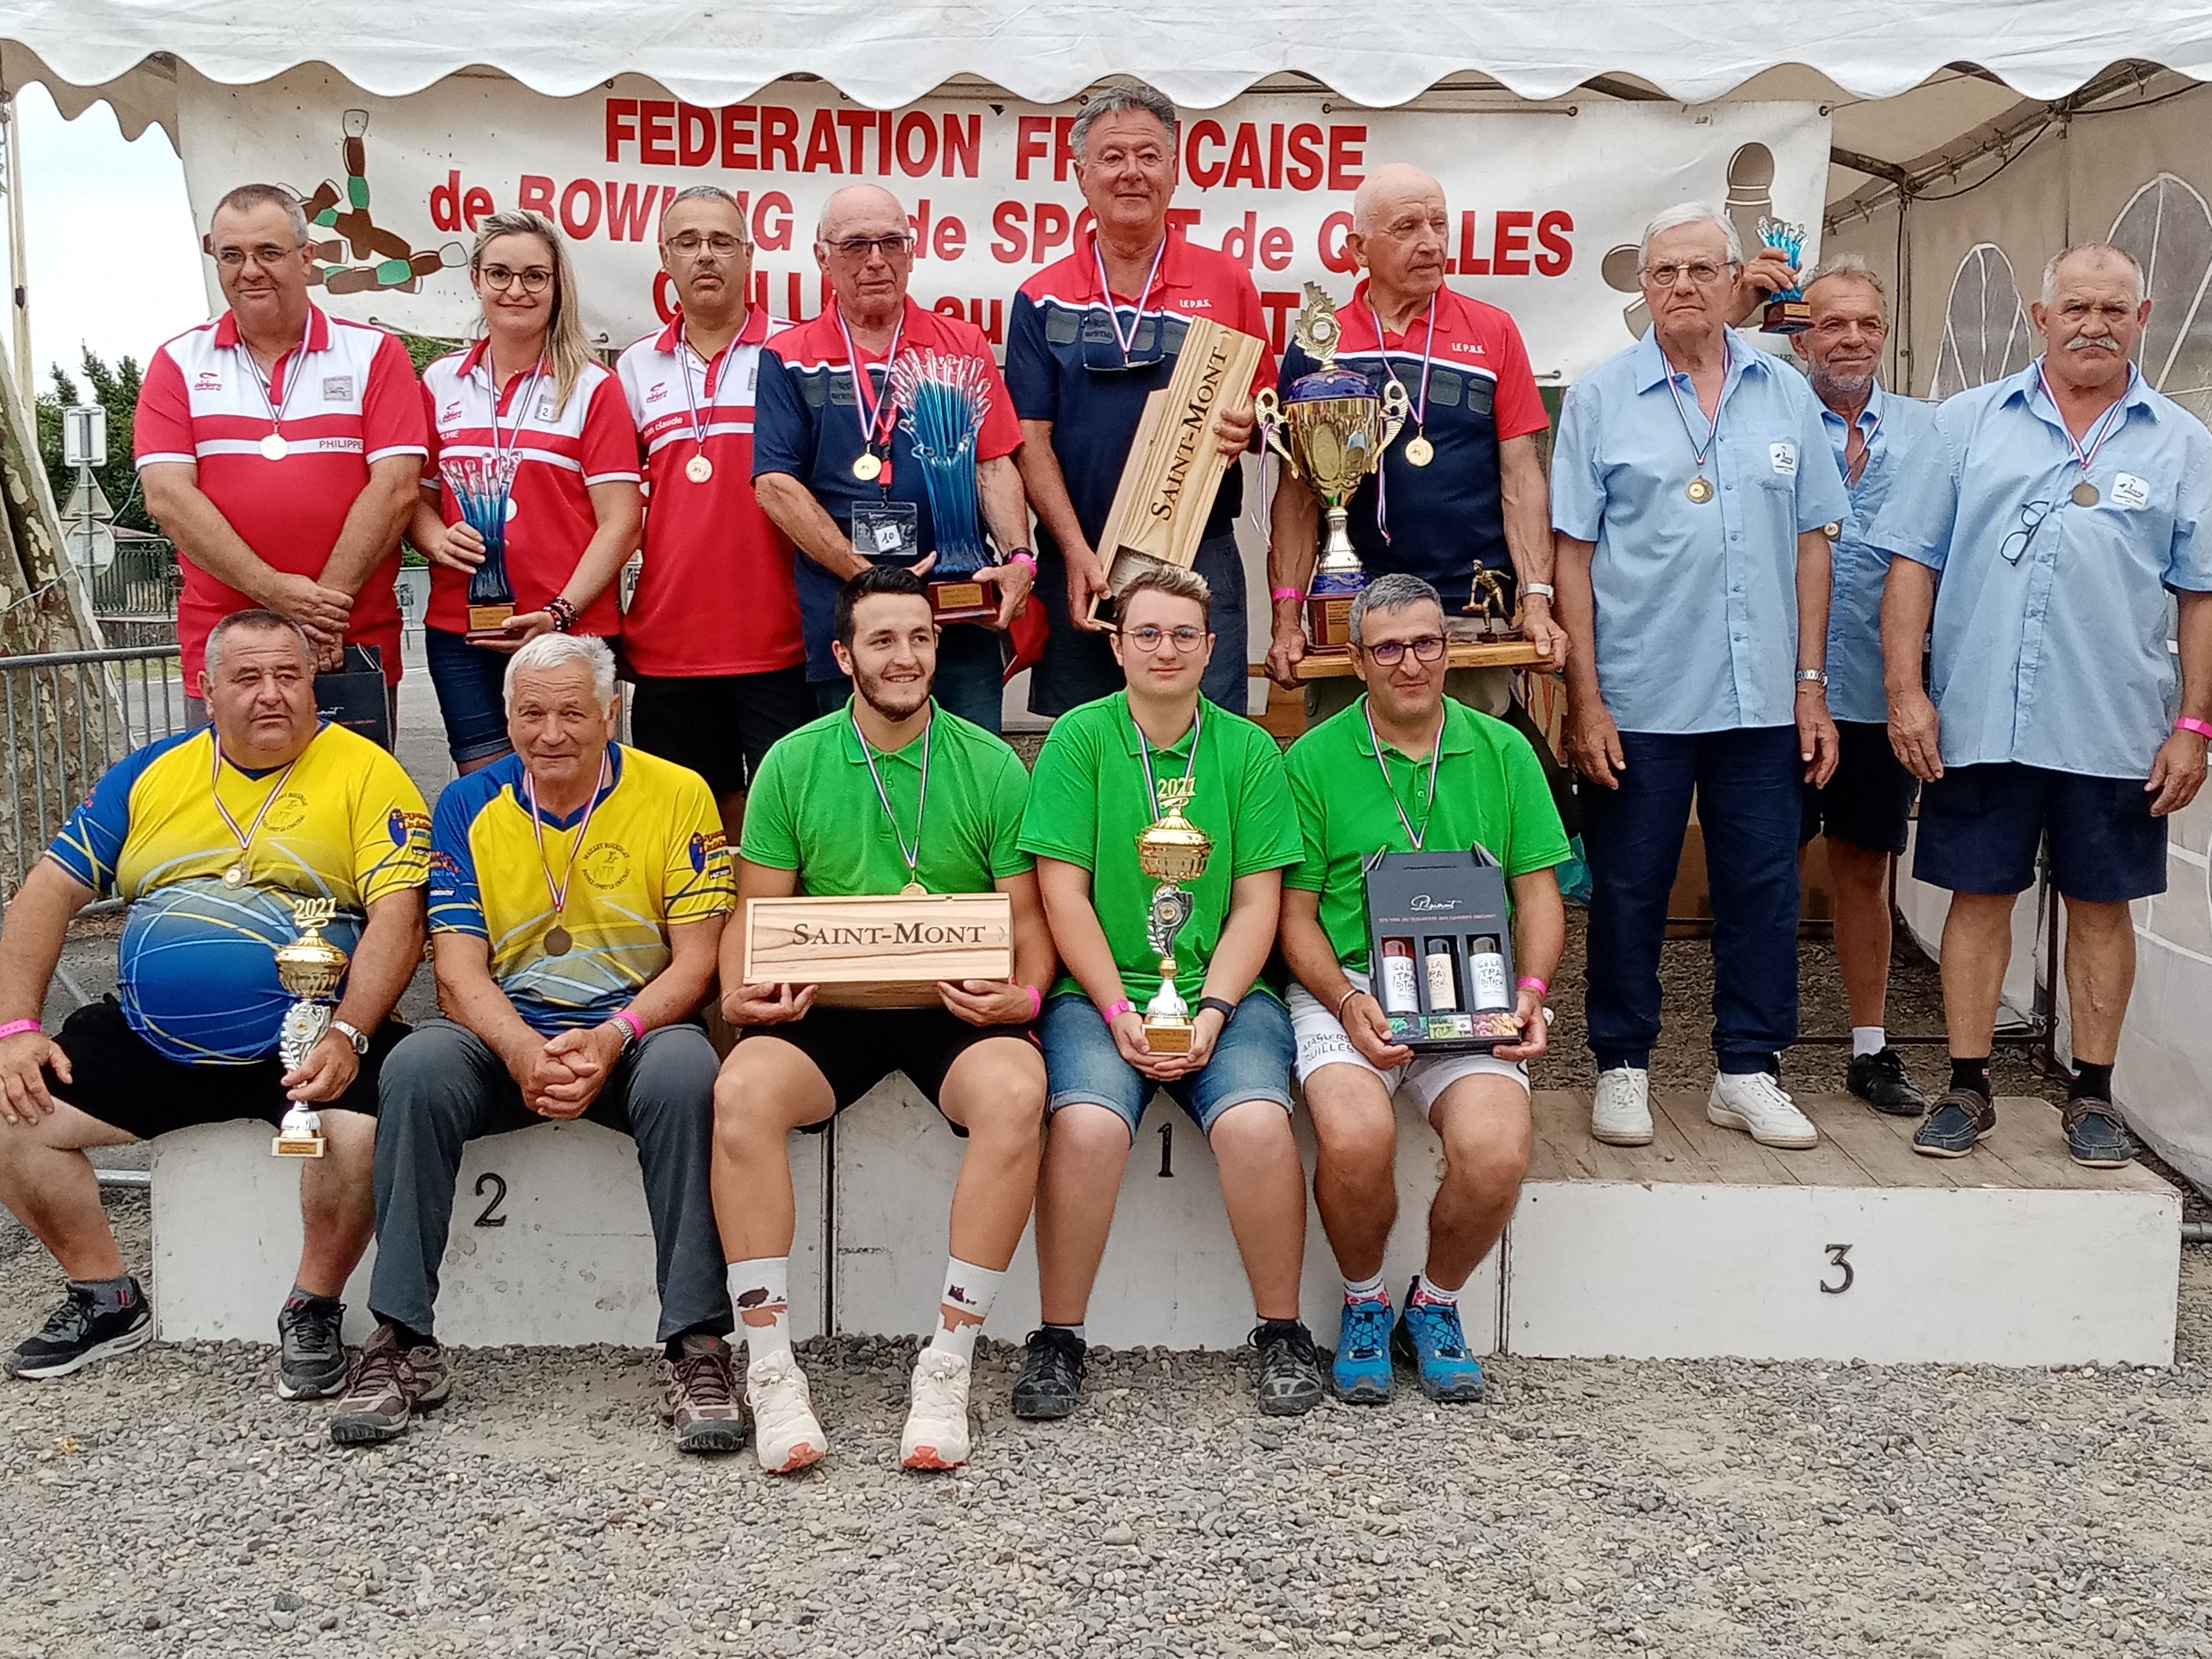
pixel 1980 827
pixel 718 725
pixel 120 1078
pixel 856 1049
pixel 1869 802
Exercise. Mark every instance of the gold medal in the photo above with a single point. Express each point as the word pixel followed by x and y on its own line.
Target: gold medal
pixel 2085 493
pixel 913 889
pixel 699 469
pixel 1700 489
pixel 869 467
pixel 274 448
pixel 557 940
pixel 1420 451
pixel 234 876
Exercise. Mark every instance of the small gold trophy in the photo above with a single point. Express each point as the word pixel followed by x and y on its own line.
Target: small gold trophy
pixel 310 967
pixel 1494 618
pixel 1170 851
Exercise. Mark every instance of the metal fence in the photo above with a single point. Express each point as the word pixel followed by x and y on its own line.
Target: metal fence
pixel 135 598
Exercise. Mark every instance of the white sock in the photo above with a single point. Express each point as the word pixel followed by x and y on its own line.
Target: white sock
pixel 760 1292
pixel 1868 1040
pixel 1081 1332
pixel 1365 1289
pixel 1436 1296
pixel 968 1292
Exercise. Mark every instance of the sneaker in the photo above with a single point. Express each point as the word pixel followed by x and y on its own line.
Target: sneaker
pixel 1959 1119
pixel 1430 1340
pixel 1360 1373
pixel 1881 1081
pixel 78 1332
pixel 311 1358
pixel 2095 1137
pixel 1052 1376
pixel 786 1436
pixel 390 1384
pixel 1288 1382
pixel 936 1435
pixel 1756 1103
pixel 1621 1113
pixel 699 1395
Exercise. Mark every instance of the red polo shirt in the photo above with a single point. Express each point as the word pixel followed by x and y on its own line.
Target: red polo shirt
pixel 348 399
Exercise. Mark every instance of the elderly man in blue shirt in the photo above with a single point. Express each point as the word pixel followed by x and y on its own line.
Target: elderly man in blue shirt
pixel 2061 506
pixel 1864 808
pixel 1691 485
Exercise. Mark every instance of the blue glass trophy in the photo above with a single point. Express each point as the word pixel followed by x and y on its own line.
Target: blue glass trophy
pixel 481 486
pixel 1787 311
pixel 942 398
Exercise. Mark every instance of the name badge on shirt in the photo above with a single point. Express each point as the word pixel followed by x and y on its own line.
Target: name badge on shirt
pixel 1785 457
pixel 2130 492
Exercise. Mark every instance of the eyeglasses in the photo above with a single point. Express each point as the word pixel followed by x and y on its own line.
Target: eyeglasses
pixel 1391 653
pixel 536 280
pixel 269 253
pixel 860 247
pixel 2015 547
pixel 1186 639
pixel 722 245
pixel 1703 273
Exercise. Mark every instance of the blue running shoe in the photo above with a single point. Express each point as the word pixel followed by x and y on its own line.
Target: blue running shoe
pixel 1429 1338
pixel 1361 1370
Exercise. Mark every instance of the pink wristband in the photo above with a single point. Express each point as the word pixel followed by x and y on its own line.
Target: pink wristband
pixel 1113 1012
pixel 636 1025
pixel 18 1027
pixel 1277 594
pixel 1037 1000
pixel 1542 989
pixel 2202 728
pixel 1023 555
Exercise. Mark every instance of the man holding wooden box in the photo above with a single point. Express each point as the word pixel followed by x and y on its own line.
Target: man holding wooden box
pixel 890 796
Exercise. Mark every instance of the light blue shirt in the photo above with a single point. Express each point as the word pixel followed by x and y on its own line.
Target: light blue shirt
pixel 1896 429
pixel 1697 602
pixel 2056 656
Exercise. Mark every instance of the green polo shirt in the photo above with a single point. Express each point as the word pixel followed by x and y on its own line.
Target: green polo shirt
pixel 1088 799
pixel 1490 792
pixel 813 808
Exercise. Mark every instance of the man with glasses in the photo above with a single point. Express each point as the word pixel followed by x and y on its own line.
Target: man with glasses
pixel 1406 769
pixel 834 463
pixel 1088 339
pixel 1864 808
pixel 2060 508
pixel 712 634
pixel 1105 775
pixel 1691 487
pixel 280 448
pixel 1461 489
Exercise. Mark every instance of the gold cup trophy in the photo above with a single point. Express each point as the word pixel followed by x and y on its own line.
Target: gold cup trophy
pixel 311 968
pixel 1171 850
pixel 1331 432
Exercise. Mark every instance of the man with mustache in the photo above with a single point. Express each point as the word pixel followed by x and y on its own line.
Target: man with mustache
pixel 2060 508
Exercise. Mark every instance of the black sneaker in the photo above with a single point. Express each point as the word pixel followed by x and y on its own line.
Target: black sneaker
pixel 1052 1376
pixel 311 1358
pixel 2095 1137
pixel 1288 1379
pixel 77 1334
pixel 1880 1080
pixel 1961 1118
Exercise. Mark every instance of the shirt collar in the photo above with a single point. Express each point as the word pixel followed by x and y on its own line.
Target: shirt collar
pixel 856 755
pixel 316 336
pixel 2029 382
pixel 1458 738
pixel 1132 734
pixel 671 339
pixel 1870 415
pixel 1175 269
pixel 1651 365
pixel 522 801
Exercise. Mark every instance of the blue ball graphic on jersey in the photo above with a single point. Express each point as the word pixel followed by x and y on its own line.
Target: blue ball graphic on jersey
pixel 199 968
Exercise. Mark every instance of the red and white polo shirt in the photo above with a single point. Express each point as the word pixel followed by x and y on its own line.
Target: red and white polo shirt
pixel 716 595
pixel 348 399
pixel 563 451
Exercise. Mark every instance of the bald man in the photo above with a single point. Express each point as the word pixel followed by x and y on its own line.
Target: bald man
pixel 834 464
pixel 1461 489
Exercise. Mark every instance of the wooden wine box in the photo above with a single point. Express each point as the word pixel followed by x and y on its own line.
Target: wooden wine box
pixel 879 952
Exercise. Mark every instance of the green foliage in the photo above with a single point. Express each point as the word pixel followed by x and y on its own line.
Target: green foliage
pixel 426 349
pixel 116 389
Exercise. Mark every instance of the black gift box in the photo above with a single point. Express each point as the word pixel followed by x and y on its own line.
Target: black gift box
pixel 1445 905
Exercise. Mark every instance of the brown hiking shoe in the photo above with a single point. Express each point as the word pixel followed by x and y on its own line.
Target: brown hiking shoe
pixel 390 1384
pixel 698 1396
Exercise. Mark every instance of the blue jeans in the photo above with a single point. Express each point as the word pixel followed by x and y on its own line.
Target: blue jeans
pixel 969 683
pixel 1749 804
pixel 471 685
pixel 1251 1060
pixel 1079 666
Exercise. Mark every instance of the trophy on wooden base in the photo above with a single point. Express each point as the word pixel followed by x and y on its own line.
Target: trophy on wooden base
pixel 311 968
pixel 942 399
pixel 1171 850
pixel 483 487
pixel 1788 311
pixel 1331 431
pixel 1495 615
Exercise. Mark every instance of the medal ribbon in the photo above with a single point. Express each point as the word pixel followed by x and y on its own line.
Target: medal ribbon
pixel 529 391
pixel 1435 754
pixel 875 411
pixel 560 895
pixel 1144 749
pixel 2104 426
pixel 1128 342
pixel 243 837
pixel 275 407
pixel 921 797
pixel 1698 453
pixel 1420 408
pixel 685 354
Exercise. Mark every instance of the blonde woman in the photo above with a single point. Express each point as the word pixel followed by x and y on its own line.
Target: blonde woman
pixel 529 394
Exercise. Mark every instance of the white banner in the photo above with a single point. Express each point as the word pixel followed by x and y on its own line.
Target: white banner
pixel 1541 196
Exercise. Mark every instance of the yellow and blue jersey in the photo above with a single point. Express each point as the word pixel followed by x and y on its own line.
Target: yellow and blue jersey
pixel 653 857
pixel 197 970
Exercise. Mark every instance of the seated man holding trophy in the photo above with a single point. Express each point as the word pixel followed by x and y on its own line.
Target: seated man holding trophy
pixel 257 855
pixel 885 435
pixel 578 889
pixel 1162 826
pixel 830 811
pixel 1459 500
pixel 1404 770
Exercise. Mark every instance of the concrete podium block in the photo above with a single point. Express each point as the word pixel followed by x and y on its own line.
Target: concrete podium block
pixel 551 1243
pixel 1171 1276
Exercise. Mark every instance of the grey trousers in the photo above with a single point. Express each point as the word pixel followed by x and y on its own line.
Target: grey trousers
pixel 443 1087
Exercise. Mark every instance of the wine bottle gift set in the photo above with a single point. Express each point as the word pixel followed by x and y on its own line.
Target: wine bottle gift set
pixel 1440 950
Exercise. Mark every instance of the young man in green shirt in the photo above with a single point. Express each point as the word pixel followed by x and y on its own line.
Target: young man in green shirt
pixel 1405 770
pixel 888 793
pixel 1102 778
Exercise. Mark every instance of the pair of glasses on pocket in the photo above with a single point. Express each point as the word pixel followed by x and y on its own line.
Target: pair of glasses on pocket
pixel 2015 547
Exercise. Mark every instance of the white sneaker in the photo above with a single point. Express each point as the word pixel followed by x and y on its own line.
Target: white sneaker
pixel 1621 1113
pixel 785 1433
pixel 1754 1103
pixel 936 1435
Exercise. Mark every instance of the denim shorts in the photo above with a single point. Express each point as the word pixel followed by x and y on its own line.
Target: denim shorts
pixel 472 685
pixel 1251 1062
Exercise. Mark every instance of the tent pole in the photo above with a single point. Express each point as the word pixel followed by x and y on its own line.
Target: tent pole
pixel 11 135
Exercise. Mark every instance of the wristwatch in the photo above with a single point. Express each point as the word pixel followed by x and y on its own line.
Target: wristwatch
pixel 1537 591
pixel 1813 676
pixel 352 1033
